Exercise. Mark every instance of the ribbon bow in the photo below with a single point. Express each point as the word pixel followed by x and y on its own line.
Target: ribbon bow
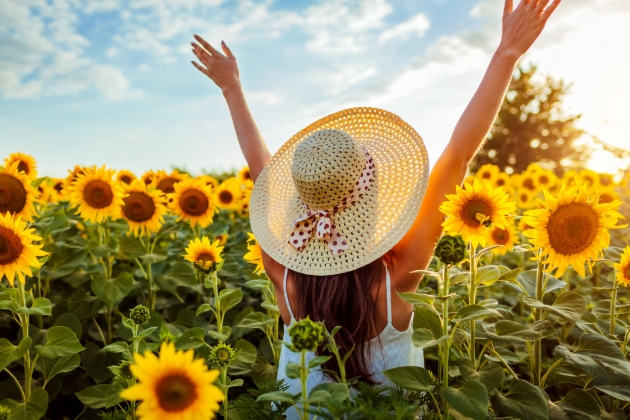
pixel 320 220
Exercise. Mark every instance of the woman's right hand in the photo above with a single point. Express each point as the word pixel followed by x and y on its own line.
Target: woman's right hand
pixel 222 69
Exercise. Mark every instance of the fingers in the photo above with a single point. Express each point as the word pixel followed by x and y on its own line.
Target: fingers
pixel 508 7
pixel 207 46
pixel 202 54
pixel 549 10
pixel 226 50
pixel 542 4
pixel 201 69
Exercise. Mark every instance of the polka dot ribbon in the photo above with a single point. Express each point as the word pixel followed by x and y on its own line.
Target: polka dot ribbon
pixel 320 220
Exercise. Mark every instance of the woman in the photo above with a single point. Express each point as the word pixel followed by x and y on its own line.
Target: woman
pixel 344 212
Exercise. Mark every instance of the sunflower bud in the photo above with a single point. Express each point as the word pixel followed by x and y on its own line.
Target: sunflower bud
pixel 451 249
pixel 222 355
pixel 124 371
pixel 167 337
pixel 140 315
pixel 4 412
pixel 306 335
pixel 466 265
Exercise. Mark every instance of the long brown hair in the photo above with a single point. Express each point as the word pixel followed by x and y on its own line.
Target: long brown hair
pixel 343 300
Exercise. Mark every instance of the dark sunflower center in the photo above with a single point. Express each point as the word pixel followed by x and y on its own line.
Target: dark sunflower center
pixel 166 185
pixel 605 180
pixel 470 210
pixel 148 180
pixel 500 182
pixel 126 179
pixel 500 236
pixel 58 187
pixel 175 392
pixel 205 257
pixel 572 228
pixel 226 197
pixel 12 194
pixel 98 194
pixel 605 198
pixel 485 175
pixel 544 179
pixel 524 198
pixel 138 207
pixel 247 175
pixel 626 272
pixel 23 166
pixel 10 246
pixel 529 184
pixel 193 202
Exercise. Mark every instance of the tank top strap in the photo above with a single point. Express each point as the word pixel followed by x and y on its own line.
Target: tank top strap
pixel 388 285
pixel 286 295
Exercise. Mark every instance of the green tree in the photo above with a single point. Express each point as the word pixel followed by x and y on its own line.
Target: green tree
pixel 533 127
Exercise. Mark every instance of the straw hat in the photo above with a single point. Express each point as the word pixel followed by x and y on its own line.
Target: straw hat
pixel 341 192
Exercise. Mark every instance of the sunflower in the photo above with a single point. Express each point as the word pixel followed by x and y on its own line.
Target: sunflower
pixel 166 182
pixel 502 180
pixel 16 192
pixel 72 176
pixel 571 229
pixel 173 386
pixel 469 179
pixel 623 268
pixel 124 176
pixel 546 178
pixel 606 180
pixel 57 185
pixel 192 201
pixel 222 238
pixel 488 172
pixel 608 195
pixel 473 208
pixel 210 181
pixel 533 168
pixel 570 177
pixel 525 199
pixel 245 177
pixel 529 182
pixel 202 254
pixel 590 178
pixel 96 195
pixel 148 177
pixel 243 203
pixel 18 253
pixel 506 237
pixel 46 194
pixel 254 256
pixel 143 208
pixel 26 164
pixel 228 194
pixel 523 226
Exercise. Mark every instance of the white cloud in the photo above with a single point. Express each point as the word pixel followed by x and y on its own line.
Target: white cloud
pixel 111 52
pixel 418 25
pixel 265 97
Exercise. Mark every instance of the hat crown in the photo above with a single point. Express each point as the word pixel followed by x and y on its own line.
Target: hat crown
pixel 326 166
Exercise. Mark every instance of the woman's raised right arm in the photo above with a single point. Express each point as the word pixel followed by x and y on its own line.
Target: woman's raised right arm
pixel 223 71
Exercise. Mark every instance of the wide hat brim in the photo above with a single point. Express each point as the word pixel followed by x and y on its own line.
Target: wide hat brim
pixel 374 224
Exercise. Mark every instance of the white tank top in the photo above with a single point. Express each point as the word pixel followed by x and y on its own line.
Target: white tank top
pixel 397 350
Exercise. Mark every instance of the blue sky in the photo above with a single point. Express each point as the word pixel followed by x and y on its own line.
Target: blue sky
pixel 110 81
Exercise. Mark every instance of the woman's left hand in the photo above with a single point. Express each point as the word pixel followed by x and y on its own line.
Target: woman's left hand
pixel 522 26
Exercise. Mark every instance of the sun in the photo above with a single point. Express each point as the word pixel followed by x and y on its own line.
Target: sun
pixel 143 208
pixel 204 255
pixel 192 202
pixel 126 177
pixel 506 237
pixel 16 192
pixel 228 194
pixel 18 252
pixel 173 386
pixel 623 268
pixel 96 195
pixel 254 256
pixel 472 203
pixel 26 164
pixel 571 229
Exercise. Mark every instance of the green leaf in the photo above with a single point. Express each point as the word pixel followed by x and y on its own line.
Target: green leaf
pixel 580 405
pixel 60 341
pixel 94 396
pixel 470 312
pixel 223 335
pixel 413 378
pixel 33 409
pixel 130 248
pixel 256 320
pixel 281 396
pixel 523 401
pixel 491 375
pixel 191 339
pixel 52 367
pixel 112 291
pixel 117 347
pixel 417 298
pixel 248 352
pixel 318 361
pixel 153 258
pixel 510 331
pixel 568 305
pixel 619 392
pixel 270 307
pixel 470 400
pixel 336 392
pixel 594 356
pixel 10 353
pixel 71 321
pixel 64 261
pixel 229 298
pixel 423 338
pixel 181 274
pixel 487 275
pixel 112 396
pixel 204 307
pixel 527 280
pixel 459 278
pixel 507 274
pixel 53 223
pixel 40 306
pixel 425 318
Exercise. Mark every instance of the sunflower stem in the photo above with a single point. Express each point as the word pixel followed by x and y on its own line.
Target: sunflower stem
pixel 304 371
pixel 613 304
pixel 24 319
pixel 536 363
pixel 108 317
pixel 446 344
pixel 472 299
pixel 225 390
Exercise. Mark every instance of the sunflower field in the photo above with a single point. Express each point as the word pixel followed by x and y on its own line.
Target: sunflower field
pixel 125 297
